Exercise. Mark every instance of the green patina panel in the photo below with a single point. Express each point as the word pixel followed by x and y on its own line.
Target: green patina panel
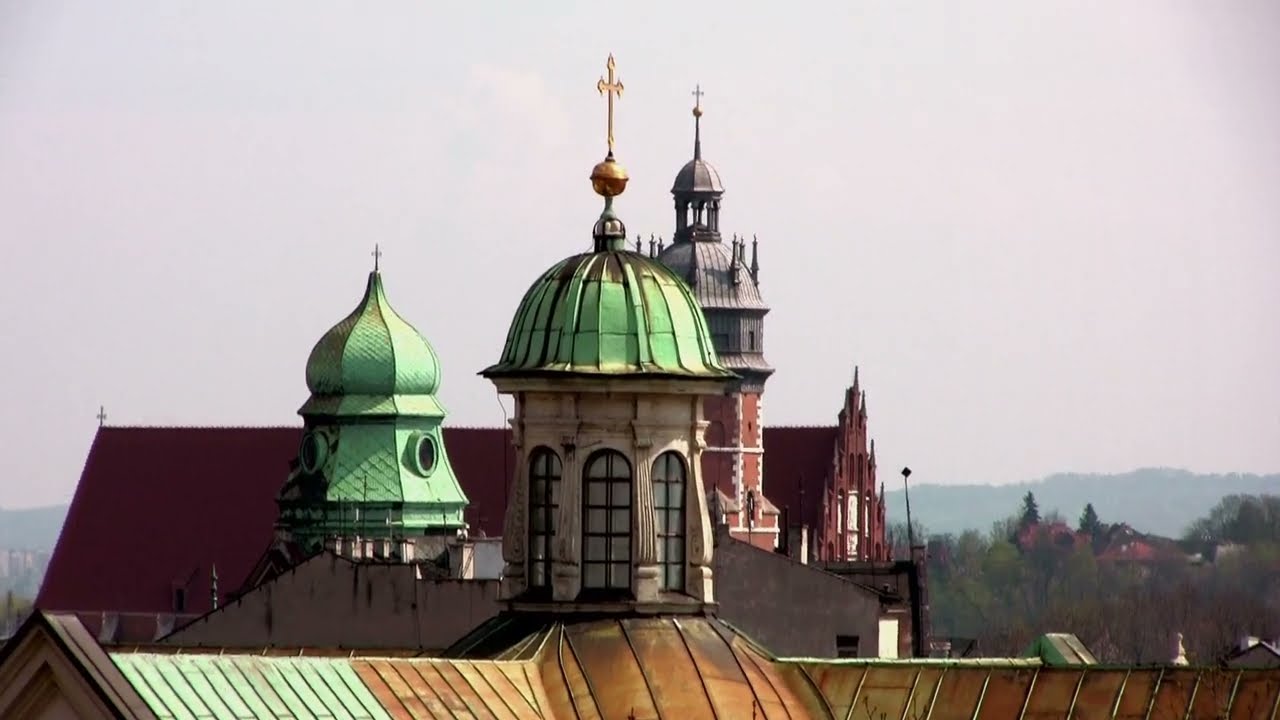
pixel 610 312
pixel 373 351
pixel 238 687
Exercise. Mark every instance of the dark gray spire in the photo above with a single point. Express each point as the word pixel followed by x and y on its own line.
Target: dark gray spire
pixel 697 122
pixel 755 260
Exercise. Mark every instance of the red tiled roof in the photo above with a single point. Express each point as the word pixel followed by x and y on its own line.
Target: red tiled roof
pixel 793 455
pixel 157 507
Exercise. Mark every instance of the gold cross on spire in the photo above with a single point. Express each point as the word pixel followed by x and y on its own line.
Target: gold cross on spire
pixel 610 89
pixel 377 255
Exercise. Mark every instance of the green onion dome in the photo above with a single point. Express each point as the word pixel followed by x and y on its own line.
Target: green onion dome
pixel 373 362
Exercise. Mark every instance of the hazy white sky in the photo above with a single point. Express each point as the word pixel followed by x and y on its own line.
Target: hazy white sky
pixel 1049 232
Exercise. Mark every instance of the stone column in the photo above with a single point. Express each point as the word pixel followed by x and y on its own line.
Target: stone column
pixel 515 536
pixel 566 553
pixel 698 527
pixel 644 532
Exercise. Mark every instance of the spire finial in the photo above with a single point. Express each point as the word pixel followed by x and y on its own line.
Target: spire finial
pixel 610 89
pixel 608 178
pixel 697 121
pixel 102 416
pixel 755 260
pixel 377 256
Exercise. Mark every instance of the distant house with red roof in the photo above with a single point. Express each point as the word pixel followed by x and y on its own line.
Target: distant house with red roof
pixel 1116 543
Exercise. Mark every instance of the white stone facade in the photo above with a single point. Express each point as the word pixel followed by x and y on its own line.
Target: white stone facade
pixel 580 421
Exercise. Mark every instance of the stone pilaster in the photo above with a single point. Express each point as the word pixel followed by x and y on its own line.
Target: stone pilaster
pixel 566 554
pixel 515 535
pixel 699 529
pixel 739 481
pixel 644 534
pixel 760 438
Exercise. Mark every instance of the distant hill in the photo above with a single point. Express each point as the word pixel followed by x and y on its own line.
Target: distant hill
pixel 1163 501
pixel 33 529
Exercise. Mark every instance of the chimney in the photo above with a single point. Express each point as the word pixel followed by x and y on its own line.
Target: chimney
pixel 1179 652
pixel 165 623
pixel 798 543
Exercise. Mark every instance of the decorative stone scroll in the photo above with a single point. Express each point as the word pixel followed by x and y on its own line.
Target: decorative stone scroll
pixel 515 537
pixel 566 553
pixel 699 527
pixel 644 533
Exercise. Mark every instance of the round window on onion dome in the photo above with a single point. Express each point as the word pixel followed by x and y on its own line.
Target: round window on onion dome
pixel 425 454
pixel 314 451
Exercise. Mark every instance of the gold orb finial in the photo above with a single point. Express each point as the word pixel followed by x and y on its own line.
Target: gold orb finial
pixel 609 178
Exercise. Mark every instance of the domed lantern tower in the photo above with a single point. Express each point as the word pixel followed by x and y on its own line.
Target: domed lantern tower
pixel 727 286
pixel 372 468
pixel 609 360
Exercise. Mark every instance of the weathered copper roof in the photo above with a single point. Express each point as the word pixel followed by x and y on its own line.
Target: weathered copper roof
pixel 609 313
pixel 998 689
pixel 686 669
pixel 700 667
pixel 677 668
pixel 373 362
pixel 684 666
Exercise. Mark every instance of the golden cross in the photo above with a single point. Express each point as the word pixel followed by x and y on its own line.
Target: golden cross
pixel 610 89
pixel 697 96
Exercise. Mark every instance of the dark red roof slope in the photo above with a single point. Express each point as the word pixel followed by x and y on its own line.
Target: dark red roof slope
pixel 157 507
pixel 796 457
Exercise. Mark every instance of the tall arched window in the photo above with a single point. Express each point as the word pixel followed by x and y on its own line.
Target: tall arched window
pixel 606 522
pixel 544 499
pixel 668 505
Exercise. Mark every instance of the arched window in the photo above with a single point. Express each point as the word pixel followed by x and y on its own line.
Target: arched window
pixel 544 499
pixel 606 522
pixel 668 505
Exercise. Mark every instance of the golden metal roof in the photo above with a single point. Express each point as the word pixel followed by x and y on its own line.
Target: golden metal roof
pixel 638 668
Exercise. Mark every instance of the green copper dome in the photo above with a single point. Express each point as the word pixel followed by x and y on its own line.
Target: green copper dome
pixel 609 312
pixel 373 362
pixel 372 461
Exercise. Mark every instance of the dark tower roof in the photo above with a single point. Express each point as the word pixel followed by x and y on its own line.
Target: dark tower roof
pixel 697 176
pixel 725 281
pixel 719 274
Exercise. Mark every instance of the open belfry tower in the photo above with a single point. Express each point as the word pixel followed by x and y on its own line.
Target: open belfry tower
pixel 726 282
